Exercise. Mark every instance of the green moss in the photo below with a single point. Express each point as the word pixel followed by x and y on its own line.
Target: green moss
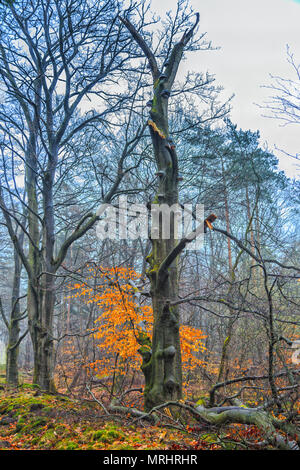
pixel 67 445
pixel 153 270
pixel 125 447
pixel 22 421
pixel 202 401
pixel 154 104
pixel 29 387
pixel 144 340
pixel 35 440
pixel 2 409
pixel 2 378
pixel 107 435
pixel 149 258
pixel 229 445
pixel 49 435
pixel 60 429
pixel 47 409
pixel 71 446
pixel 31 427
pixel 144 350
pixel 97 435
pixel 39 422
pixel 19 427
pixel 113 434
pixel 209 437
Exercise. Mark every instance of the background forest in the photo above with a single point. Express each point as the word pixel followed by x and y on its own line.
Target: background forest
pixel 140 330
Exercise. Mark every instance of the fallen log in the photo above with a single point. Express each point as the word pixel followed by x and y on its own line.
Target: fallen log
pixel 219 416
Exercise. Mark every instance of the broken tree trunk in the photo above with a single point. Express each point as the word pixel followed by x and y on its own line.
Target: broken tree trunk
pixel 162 363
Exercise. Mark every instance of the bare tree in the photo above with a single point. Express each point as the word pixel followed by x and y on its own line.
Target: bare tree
pixel 53 56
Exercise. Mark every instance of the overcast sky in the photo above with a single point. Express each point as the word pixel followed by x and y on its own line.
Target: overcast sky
pixel 253 38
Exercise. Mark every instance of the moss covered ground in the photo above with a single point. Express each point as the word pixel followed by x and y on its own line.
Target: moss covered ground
pixel 30 419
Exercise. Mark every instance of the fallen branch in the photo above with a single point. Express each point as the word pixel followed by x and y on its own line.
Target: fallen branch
pixel 252 416
pixel 96 400
pixel 219 416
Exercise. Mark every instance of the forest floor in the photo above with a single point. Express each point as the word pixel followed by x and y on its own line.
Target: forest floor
pixel 32 419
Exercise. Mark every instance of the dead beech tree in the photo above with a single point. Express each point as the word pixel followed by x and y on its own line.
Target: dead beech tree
pixel 162 361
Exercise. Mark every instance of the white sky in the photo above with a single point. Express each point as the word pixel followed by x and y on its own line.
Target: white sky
pixel 253 36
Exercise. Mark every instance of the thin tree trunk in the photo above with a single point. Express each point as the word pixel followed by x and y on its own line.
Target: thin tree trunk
pixel 12 351
pixel 227 217
pixel 250 218
pixel 41 288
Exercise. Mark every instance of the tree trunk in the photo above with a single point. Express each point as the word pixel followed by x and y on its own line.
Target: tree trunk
pixel 162 363
pixel 163 382
pixel 12 351
pixel 165 379
pixel 40 326
pixel 227 217
pixel 41 292
pixel 43 362
pixel 250 218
